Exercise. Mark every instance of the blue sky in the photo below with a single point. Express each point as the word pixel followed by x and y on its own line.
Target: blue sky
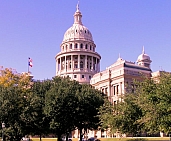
pixel 35 28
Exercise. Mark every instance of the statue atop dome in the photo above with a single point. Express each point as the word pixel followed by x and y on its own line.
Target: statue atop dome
pixel 78 7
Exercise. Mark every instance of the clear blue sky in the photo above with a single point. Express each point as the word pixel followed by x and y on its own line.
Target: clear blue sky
pixel 35 28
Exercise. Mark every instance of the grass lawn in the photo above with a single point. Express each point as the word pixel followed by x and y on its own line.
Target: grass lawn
pixel 114 139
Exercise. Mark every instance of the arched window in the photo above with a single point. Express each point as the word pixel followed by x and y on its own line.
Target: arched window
pixel 81 45
pixel 93 48
pixel 75 64
pixel 90 47
pixel 70 46
pixel 76 45
pixel 86 46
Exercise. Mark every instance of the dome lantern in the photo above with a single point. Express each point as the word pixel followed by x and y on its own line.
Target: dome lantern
pixel 77 31
pixel 77 15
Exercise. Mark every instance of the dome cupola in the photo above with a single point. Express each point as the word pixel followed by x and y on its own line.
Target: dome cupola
pixel 144 59
pixel 78 31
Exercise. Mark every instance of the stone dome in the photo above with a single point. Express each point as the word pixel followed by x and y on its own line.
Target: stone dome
pixel 78 31
pixel 143 56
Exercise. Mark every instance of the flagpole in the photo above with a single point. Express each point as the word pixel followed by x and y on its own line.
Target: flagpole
pixel 28 65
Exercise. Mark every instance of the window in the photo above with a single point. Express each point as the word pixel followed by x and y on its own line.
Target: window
pixel 106 92
pixel 89 76
pixel 90 47
pixel 82 76
pixel 70 46
pixel 81 46
pixel 76 45
pixel 75 76
pixel 70 65
pixel 86 46
pixel 114 92
pixel 117 89
pixel 81 64
pixel 75 64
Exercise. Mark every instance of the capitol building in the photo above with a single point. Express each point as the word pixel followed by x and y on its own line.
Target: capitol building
pixel 79 60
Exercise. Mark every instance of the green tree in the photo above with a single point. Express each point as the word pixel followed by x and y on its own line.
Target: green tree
pixel 89 102
pixel 121 117
pixel 11 107
pixel 13 87
pixel 71 106
pixel 60 105
pixel 33 114
pixel 155 100
pixel 126 115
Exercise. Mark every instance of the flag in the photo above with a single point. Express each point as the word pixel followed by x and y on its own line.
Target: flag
pixel 30 62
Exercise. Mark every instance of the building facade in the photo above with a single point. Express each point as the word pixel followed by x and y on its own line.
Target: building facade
pixel 117 78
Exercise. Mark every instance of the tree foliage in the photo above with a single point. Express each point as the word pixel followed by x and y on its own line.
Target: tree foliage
pixel 71 106
pixel 146 109
pixel 89 102
pixel 41 107
pixel 60 106
pixel 13 87
pixel 33 114
pixel 155 100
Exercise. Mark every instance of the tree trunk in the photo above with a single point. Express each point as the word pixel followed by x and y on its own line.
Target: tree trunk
pixel 81 134
pixel 67 136
pixel 40 137
pixel 59 137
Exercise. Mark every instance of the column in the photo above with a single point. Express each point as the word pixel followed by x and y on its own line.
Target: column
pixel 71 62
pixel 96 67
pixel 99 66
pixel 92 63
pixel 57 66
pixel 78 46
pixel 85 62
pixel 65 64
pixel 89 64
pixel 60 63
pixel 109 90
pixel 120 91
pixel 68 63
pixel 79 61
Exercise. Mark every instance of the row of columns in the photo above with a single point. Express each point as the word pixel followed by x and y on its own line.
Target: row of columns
pixel 66 63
